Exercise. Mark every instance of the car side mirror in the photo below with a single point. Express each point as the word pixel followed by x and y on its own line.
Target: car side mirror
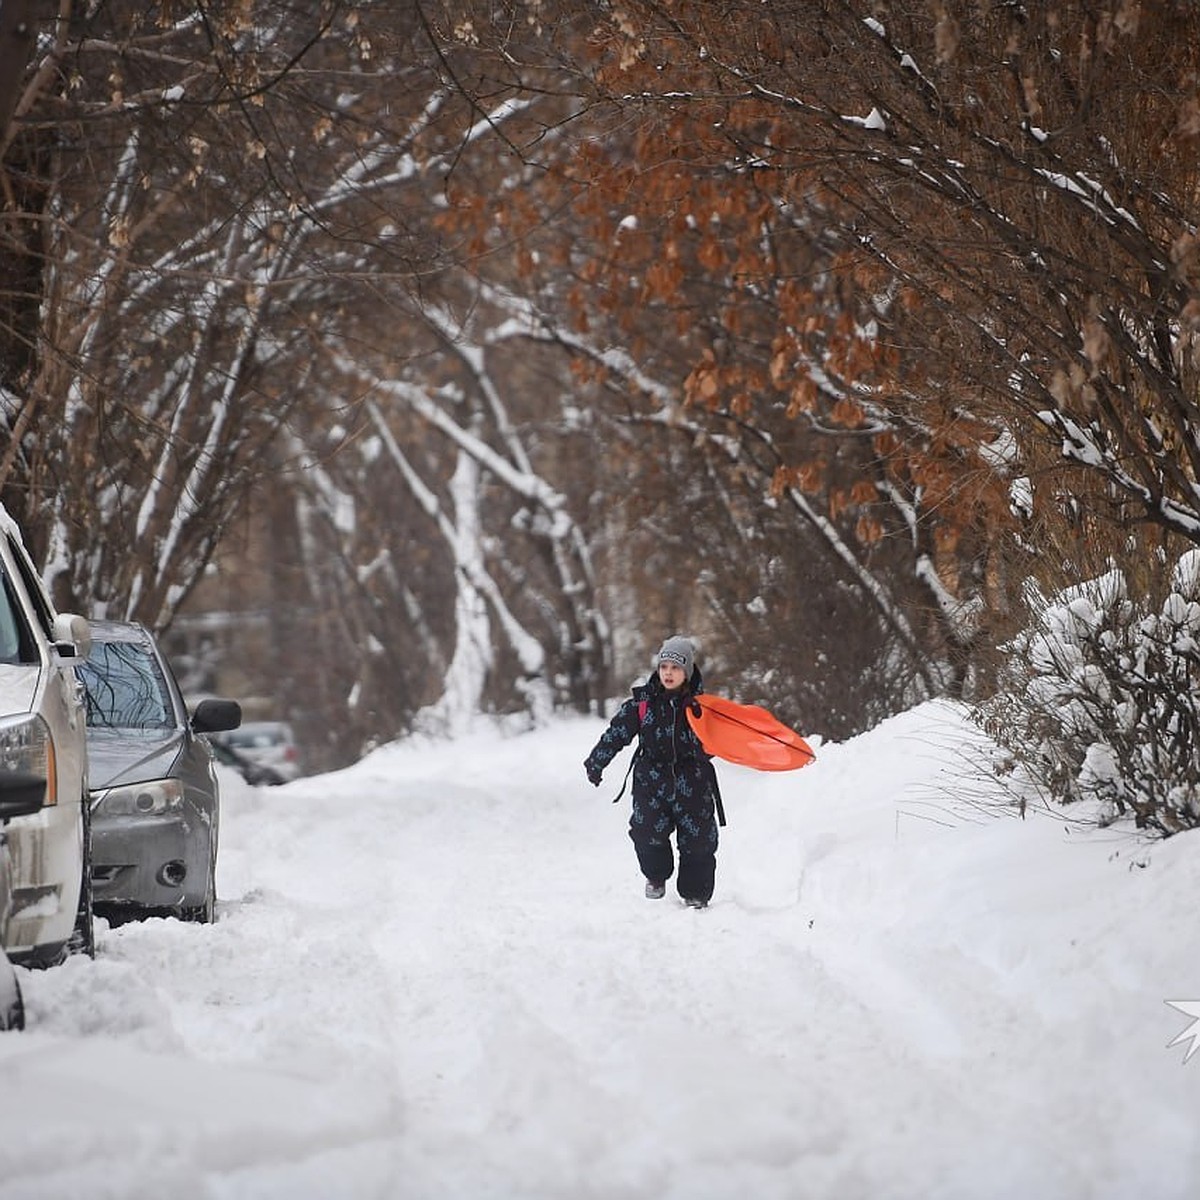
pixel 21 794
pixel 72 635
pixel 216 716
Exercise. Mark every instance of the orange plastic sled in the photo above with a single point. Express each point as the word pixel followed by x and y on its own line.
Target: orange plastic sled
pixel 746 734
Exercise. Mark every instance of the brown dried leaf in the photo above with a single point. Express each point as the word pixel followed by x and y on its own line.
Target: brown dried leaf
pixel 1097 345
pixel 868 530
pixel 946 35
pixel 1188 125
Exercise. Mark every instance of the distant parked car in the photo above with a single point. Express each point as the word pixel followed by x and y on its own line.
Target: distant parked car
pixel 263 751
pixel 21 795
pixel 42 733
pixel 156 803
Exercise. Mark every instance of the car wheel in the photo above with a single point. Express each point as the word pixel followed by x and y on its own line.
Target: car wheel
pixel 205 913
pixel 83 936
pixel 12 1007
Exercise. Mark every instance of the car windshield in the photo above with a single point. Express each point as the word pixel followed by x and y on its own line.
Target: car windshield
pixel 125 688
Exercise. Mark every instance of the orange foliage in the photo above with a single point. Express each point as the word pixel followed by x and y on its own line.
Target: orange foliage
pixel 782 479
pixel 803 397
pixel 848 413
pixel 702 385
pixel 868 530
pixel 711 256
pixel 781 366
pixel 886 444
pixel 863 492
pixel 810 477
pixel 946 538
pixel 691 254
pixel 663 280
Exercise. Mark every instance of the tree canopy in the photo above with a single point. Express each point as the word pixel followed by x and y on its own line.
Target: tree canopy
pixel 514 335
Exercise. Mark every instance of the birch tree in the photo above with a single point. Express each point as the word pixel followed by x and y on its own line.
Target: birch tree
pixel 187 263
pixel 242 227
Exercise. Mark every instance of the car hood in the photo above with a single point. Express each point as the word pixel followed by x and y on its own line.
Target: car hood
pixel 117 757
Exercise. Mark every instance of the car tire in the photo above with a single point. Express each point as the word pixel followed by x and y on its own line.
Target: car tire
pixel 12 1006
pixel 83 936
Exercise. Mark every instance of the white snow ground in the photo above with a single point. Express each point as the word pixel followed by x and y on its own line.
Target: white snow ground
pixel 435 976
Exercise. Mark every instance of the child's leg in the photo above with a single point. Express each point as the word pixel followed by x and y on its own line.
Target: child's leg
pixel 650 827
pixel 654 855
pixel 697 839
pixel 697 876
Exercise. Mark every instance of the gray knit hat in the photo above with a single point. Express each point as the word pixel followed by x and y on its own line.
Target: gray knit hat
pixel 680 651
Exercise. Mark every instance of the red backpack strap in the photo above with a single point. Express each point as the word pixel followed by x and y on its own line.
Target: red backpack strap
pixel 642 706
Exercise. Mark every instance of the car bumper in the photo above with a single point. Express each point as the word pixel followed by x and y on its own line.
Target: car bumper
pixel 142 861
pixel 46 853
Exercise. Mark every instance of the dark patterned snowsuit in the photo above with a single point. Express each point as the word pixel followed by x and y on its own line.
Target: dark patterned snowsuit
pixel 672 786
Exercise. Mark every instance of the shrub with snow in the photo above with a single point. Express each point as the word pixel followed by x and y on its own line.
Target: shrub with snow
pixel 1098 700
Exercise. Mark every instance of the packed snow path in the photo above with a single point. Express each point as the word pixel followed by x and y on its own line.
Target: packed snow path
pixel 435 976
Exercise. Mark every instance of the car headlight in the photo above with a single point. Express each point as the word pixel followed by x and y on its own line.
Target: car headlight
pixel 26 745
pixel 154 798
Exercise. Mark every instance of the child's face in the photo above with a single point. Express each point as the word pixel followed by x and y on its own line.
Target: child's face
pixel 671 675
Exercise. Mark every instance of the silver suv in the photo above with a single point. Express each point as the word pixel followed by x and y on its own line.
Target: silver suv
pixel 42 733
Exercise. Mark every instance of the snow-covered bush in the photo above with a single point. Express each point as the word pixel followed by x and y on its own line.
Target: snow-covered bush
pixel 1097 699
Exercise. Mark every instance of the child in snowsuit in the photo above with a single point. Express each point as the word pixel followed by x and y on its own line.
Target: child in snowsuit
pixel 672 777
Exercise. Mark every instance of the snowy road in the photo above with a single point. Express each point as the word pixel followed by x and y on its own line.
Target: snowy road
pixel 434 976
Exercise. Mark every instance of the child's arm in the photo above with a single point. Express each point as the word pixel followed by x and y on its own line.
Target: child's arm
pixel 622 729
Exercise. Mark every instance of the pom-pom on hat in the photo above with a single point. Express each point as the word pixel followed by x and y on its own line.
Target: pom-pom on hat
pixel 680 651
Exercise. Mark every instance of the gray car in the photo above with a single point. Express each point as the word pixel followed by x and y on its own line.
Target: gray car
pixel 263 751
pixel 156 804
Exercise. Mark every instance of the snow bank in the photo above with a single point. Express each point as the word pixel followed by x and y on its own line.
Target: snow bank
pixel 435 976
